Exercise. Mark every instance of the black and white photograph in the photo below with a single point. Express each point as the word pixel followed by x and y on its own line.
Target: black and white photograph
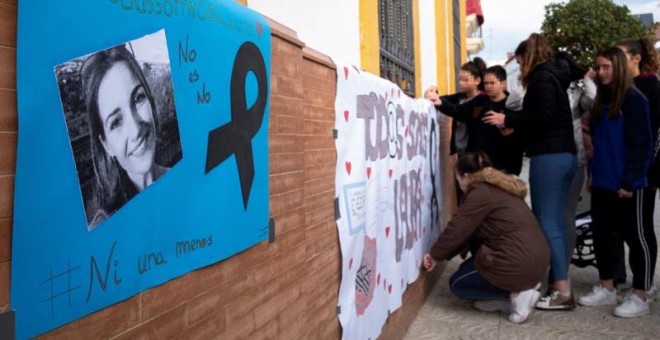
pixel 119 109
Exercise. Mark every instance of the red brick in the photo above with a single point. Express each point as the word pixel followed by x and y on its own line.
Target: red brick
pixel 279 144
pixel 289 124
pixel 274 266
pixel 320 71
pixel 319 98
pixel 176 292
pixel 285 182
pixel 7 68
pixel 207 328
pixel 275 305
pixel 291 161
pixel 239 329
pixel 164 326
pixel 6 196
pixel 319 215
pixel 319 186
pixel 319 113
pixel 8 155
pixel 313 172
pixel 5 239
pixel 281 105
pixel 291 239
pixel 103 324
pixel 291 200
pixel 323 142
pixel 316 83
pixel 283 52
pixel 5 279
pixel 321 199
pixel 319 127
pixel 326 157
pixel 8 111
pixel 8 14
pixel 287 87
pixel 289 220
pixel 289 70
pixel 11 2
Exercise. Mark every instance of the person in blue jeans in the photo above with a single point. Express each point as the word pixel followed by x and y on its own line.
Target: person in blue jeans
pixel 510 255
pixel 546 124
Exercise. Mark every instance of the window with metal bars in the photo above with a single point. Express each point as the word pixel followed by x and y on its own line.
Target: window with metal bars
pixel 397 51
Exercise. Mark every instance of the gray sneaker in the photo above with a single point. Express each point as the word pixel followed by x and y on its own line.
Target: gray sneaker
pixel 557 301
pixel 650 294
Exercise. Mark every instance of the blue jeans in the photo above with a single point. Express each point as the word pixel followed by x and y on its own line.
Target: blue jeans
pixel 550 177
pixel 467 283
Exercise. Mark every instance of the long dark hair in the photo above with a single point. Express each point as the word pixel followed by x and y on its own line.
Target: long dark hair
pixel 644 48
pixel 616 91
pixel 112 180
pixel 537 51
pixel 476 68
pixel 472 162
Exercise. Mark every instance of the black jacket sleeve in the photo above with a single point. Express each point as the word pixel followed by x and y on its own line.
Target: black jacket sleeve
pixel 540 103
pixel 637 134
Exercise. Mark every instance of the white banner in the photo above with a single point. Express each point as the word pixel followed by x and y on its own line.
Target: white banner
pixel 388 195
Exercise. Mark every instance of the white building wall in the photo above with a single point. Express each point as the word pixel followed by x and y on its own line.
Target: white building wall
pixel 428 44
pixel 330 27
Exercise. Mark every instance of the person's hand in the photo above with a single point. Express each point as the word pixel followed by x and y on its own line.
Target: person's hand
pixel 432 90
pixel 506 131
pixel 494 118
pixel 623 193
pixel 432 94
pixel 591 73
pixel 429 263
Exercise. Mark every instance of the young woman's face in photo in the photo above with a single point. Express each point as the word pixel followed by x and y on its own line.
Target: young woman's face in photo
pixel 604 70
pixel 494 87
pixel 467 81
pixel 127 120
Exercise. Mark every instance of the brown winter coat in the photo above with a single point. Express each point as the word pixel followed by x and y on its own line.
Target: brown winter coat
pixel 513 253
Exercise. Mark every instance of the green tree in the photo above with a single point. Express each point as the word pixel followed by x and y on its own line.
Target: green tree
pixel 585 27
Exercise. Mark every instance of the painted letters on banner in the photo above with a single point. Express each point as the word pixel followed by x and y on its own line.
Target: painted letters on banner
pixel 388 192
pixel 143 149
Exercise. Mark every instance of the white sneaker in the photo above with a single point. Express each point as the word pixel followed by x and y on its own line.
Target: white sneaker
pixel 522 305
pixel 599 296
pixel 650 294
pixel 631 307
pixel 493 306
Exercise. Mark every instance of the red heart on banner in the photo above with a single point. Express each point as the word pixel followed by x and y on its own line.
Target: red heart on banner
pixel 346 72
pixel 368 172
pixel 389 172
pixel 350 263
pixel 406 131
pixel 387 231
pixel 346 115
pixel 348 167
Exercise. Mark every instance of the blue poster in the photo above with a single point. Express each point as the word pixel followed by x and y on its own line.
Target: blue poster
pixel 142 149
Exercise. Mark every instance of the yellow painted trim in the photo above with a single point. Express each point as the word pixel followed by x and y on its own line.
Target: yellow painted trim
pixel 417 46
pixel 464 56
pixel 445 46
pixel 369 39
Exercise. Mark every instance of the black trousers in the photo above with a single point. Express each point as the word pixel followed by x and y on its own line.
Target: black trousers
pixel 615 219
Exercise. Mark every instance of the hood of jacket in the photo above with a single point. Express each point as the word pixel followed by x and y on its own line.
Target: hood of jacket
pixel 560 68
pixel 509 183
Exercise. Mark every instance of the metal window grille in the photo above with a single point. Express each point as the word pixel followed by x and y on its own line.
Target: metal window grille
pixel 457 39
pixel 397 53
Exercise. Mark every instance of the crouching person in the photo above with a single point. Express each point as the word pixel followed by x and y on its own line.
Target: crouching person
pixel 510 253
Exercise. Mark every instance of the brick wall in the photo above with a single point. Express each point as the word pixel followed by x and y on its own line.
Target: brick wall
pixel 286 289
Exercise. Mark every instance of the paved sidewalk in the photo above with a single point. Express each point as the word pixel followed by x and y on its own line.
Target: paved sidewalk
pixel 445 316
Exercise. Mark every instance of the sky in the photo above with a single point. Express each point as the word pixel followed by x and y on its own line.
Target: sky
pixel 504 28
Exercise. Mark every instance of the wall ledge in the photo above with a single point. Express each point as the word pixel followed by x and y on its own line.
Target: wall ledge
pixel 284 33
pixel 318 57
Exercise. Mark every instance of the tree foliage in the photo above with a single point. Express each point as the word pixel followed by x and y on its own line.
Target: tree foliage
pixel 585 27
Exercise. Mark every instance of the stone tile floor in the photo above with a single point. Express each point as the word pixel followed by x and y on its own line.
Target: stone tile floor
pixel 446 317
